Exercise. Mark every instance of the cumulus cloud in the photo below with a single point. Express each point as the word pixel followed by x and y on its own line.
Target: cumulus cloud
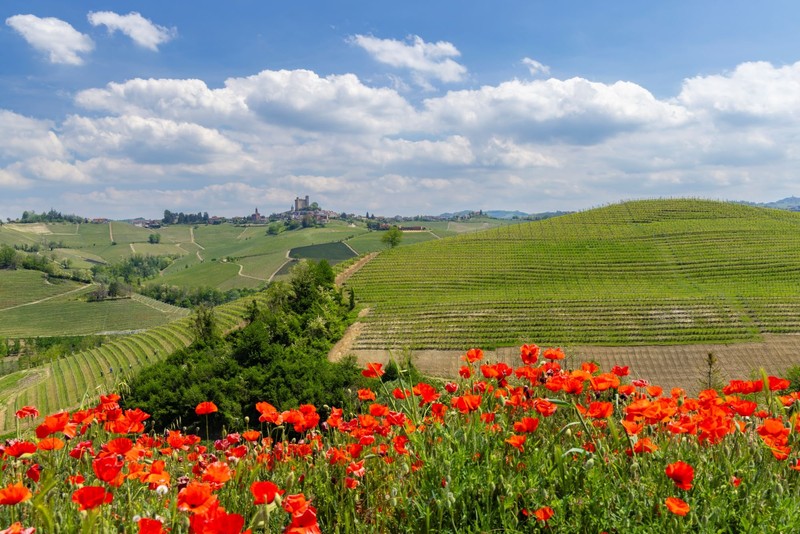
pixel 753 89
pixel 426 61
pixel 575 110
pixel 24 137
pixel 535 68
pixel 146 140
pixel 302 99
pixel 58 39
pixel 183 100
pixel 143 32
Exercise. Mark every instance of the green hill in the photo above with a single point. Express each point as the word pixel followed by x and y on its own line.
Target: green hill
pixel 642 272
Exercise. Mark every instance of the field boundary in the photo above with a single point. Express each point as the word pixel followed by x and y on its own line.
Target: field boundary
pixel 47 298
pixel 665 365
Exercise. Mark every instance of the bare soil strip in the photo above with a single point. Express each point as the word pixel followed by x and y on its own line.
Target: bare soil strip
pixel 667 366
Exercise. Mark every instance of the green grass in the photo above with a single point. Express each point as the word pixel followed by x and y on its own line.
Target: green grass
pixel 67 381
pixel 332 252
pixel 646 272
pixel 71 315
pixel 22 286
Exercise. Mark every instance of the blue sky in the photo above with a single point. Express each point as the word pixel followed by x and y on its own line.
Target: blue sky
pixel 125 109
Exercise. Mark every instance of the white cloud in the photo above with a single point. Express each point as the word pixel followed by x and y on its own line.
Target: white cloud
pixel 58 39
pixel 50 171
pixel 575 110
pixel 535 68
pixel 755 89
pixel 143 32
pixel 24 137
pixel 302 99
pixel 425 60
pixel 183 100
pixel 11 179
pixel 146 140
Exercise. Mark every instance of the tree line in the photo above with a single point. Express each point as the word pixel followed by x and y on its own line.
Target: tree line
pixel 279 357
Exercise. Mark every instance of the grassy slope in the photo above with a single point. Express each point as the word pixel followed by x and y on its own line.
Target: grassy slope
pixel 20 287
pixel 666 271
pixel 72 315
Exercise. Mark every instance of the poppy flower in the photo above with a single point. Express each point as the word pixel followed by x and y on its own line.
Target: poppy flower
pixel 90 497
pixel 107 468
pixel 26 411
pixel 526 424
pixel 14 494
pixel 17 448
pixel 517 441
pixel 682 473
pixel 600 410
pixel 196 498
pixel 677 506
pixel 544 513
pixel 554 354
pixel 265 491
pixel 529 353
pixel 216 520
pixel 150 526
pixel 473 355
pixel 205 408
pixel 373 370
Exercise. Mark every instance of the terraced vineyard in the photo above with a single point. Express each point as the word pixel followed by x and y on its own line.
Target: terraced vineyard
pixel 635 273
pixel 67 381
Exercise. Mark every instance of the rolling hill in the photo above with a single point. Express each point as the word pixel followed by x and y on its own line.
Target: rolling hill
pixel 677 271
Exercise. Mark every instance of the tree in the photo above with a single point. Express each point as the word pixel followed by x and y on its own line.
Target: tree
pixel 204 326
pixel 154 238
pixel 392 236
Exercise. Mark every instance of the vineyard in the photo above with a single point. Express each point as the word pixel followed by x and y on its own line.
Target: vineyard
pixel 636 273
pixel 68 380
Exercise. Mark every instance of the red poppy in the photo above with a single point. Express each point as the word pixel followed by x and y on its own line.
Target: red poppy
pixel 90 497
pixel 554 354
pixel 205 408
pixel 529 353
pixel 150 526
pixel 516 440
pixel 216 520
pixel 373 370
pixel 544 513
pixel 526 424
pixel 14 494
pixel 217 474
pixel 473 355
pixel 677 506
pixel 682 473
pixel 17 448
pixel 27 411
pixel 265 491
pixel 107 468
pixel 600 410
pixel 196 498
pixel 366 394
pixel 466 403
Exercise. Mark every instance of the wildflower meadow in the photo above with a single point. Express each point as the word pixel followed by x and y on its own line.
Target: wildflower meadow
pixel 537 448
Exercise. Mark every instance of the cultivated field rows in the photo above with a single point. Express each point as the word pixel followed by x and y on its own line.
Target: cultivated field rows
pixel 645 272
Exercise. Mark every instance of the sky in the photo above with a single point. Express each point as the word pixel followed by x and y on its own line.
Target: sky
pixel 126 109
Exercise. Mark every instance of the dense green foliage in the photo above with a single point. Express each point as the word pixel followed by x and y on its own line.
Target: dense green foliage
pixel 279 357
pixel 644 272
pixel 191 297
